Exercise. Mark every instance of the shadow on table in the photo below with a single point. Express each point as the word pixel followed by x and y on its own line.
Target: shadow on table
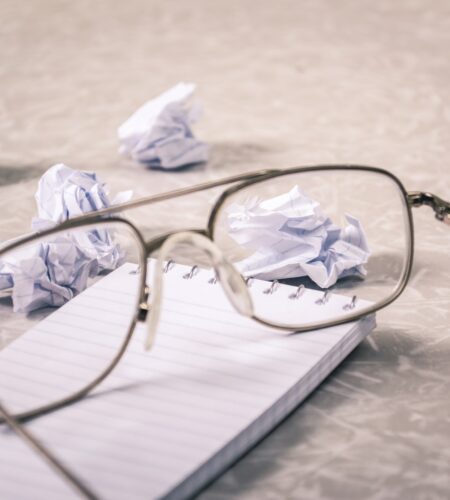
pixel 338 425
pixel 12 175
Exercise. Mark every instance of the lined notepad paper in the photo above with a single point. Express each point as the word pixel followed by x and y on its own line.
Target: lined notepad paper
pixel 165 422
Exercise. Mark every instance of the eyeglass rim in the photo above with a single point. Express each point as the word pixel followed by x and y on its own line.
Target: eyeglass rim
pixel 298 170
pixel 145 248
pixel 249 180
pixel 77 395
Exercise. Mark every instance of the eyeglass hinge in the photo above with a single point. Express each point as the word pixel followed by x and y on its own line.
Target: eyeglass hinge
pixel 441 208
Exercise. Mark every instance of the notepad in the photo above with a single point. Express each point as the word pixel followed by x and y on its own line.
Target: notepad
pixel 165 422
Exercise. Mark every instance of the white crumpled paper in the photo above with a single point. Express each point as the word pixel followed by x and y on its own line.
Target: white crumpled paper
pixel 64 193
pixel 52 271
pixel 291 238
pixel 159 133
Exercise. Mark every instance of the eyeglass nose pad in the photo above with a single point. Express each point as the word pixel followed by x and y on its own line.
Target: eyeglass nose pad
pixel 231 281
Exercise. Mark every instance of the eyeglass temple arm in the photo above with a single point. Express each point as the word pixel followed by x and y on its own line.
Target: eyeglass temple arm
pixel 441 207
pixel 46 455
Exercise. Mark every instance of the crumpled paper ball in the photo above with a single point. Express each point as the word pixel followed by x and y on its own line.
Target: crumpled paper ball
pixel 159 133
pixel 64 193
pixel 291 237
pixel 51 272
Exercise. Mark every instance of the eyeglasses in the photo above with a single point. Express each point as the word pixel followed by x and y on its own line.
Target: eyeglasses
pixel 344 232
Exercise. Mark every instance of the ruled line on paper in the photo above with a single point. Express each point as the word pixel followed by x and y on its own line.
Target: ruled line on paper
pixel 126 380
pixel 321 339
pixel 181 339
pixel 208 378
pixel 241 377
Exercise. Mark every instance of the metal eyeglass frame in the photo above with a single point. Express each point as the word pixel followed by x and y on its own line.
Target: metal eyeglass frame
pixel 228 276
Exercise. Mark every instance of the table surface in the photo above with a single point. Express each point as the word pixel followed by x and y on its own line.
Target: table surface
pixel 285 84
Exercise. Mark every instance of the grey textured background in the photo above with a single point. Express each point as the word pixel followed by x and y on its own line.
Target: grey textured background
pixel 283 84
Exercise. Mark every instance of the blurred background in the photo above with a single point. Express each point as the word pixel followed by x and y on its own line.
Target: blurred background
pixel 282 84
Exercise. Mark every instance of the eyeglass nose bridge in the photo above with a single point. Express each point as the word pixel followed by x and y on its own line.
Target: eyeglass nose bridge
pixel 149 247
pixel 144 306
pixel 232 282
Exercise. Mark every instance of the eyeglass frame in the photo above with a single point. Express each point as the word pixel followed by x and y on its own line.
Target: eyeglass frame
pixel 411 199
pixel 146 248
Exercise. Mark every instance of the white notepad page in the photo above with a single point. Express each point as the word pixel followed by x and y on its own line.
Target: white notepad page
pixel 165 422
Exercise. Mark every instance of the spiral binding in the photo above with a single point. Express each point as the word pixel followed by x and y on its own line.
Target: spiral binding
pixel 136 271
pixel 169 265
pixel 249 281
pixel 274 286
pixel 324 299
pixel 351 305
pixel 214 279
pixel 298 293
pixel 194 270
